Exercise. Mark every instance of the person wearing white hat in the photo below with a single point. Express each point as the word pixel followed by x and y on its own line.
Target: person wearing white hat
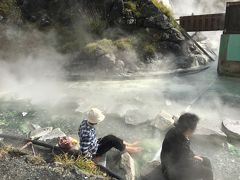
pixel 92 147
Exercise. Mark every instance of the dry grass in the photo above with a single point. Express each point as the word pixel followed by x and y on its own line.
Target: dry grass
pixel 4 150
pixel 84 164
pixel 167 11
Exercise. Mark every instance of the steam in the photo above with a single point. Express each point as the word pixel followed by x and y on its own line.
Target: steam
pixel 30 66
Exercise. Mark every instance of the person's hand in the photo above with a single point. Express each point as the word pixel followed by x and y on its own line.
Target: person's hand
pixel 198 158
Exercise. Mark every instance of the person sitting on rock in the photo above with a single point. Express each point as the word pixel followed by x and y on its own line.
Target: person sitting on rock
pixel 178 160
pixel 92 147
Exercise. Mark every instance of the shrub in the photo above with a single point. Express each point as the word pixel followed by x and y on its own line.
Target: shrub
pixel 105 45
pixel 149 49
pixel 123 43
pixel 9 8
pixel 97 25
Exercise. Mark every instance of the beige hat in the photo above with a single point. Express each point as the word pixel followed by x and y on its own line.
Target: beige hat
pixel 95 116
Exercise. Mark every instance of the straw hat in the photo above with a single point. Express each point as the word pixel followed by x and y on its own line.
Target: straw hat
pixel 95 116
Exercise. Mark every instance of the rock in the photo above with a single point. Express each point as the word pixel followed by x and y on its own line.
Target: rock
pixel 213 136
pixel 183 62
pixel 160 22
pixel 171 46
pixel 129 18
pixel 148 9
pixel 163 121
pixel 199 37
pixel 114 10
pixel 45 21
pixel 199 59
pixel 175 35
pixel 231 128
pixel 1 18
pixel 127 163
pixel 40 132
pixel 52 135
pixel 106 61
pixel 119 66
pixel 136 117
pixel 152 171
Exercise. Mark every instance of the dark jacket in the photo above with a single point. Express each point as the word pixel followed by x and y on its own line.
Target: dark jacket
pixel 176 154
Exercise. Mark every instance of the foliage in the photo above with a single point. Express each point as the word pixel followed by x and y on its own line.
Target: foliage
pixel 149 49
pixel 123 43
pixel 97 25
pixel 131 6
pixel 165 10
pixel 69 39
pixel 4 150
pixel 105 45
pixel 9 8
pixel 83 163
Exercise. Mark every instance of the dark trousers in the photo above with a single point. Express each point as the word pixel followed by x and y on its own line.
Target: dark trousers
pixel 199 171
pixel 108 142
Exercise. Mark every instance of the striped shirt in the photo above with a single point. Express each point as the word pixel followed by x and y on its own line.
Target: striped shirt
pixel 88 139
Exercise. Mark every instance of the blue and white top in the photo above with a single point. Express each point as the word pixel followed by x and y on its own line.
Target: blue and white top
pixel 88 139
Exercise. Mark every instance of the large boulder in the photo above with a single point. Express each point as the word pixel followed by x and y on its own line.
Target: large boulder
pixel 122 164
pixel 213 136
pixel 136 117
pixel 152 171
pixel 231 128
pixel 163 121
pixel 127 163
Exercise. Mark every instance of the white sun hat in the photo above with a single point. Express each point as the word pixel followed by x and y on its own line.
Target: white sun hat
pixel 95 116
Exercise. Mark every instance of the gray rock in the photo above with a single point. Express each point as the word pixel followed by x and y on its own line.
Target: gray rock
pixel 183 62
pixel 160 22
pixel 231 128
pixel 127 163
pixel 1 18
pixel 106 61
pixel 175 35
pixel 169 46
pixel 152 171
pixel 213 136
pixel 40 132
pixel 136 117
pixel 52 135
pixel 148 9
pixel 163 121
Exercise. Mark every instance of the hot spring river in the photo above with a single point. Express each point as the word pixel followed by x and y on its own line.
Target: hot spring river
pixel 62 104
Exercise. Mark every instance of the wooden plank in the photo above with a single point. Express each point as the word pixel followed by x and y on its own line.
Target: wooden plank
pixel 208 22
